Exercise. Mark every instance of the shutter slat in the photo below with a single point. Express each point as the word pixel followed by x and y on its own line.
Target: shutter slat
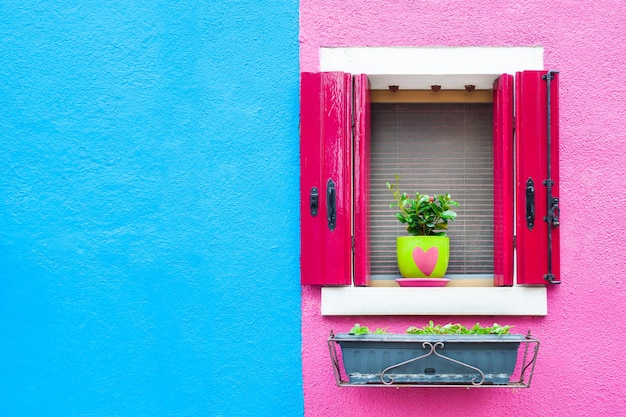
pixel 503 198
pixel 362 118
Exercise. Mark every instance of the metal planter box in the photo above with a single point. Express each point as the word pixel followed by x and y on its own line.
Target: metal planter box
pixel 429 360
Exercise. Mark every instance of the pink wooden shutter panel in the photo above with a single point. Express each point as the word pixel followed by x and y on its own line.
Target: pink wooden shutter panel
pixel 361 110
pixel 325 165
pixel 503 180
pixel 532 163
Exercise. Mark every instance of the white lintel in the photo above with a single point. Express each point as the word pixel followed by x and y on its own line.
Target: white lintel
pixel 420 67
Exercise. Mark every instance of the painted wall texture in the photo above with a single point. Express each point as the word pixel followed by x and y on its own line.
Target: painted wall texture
pixel 581 352
pixel 148 209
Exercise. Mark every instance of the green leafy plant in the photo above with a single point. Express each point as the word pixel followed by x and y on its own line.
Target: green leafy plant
pixel 432 328
pixel 457 328
pixel 423 215
pixel 360 330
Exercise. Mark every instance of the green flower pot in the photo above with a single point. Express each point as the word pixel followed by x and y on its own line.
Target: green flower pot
pixel 423 256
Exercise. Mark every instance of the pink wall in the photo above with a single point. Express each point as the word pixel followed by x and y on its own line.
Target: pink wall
pixel 580 367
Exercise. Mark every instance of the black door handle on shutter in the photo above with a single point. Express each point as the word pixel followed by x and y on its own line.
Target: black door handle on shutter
pixel 530 204
pixel 314 201
pixel 331 204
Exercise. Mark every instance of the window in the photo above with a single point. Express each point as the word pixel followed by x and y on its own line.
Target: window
pixel 339 160
pixel 434 148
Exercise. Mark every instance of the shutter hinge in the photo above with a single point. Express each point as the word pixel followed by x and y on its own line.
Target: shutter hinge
pixel 551 278
pixel 514 242
pixel 352 243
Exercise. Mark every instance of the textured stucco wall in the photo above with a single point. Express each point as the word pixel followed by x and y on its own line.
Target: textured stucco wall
pixel 148 209
pixel 581 352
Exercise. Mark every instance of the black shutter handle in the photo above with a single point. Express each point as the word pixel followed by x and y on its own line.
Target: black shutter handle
pixel 331 204
pixel 530 204
pixel 314 201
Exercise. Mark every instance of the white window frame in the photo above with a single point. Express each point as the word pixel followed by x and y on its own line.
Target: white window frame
pixel 419 68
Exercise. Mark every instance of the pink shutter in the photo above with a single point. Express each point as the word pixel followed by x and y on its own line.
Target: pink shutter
pixel 325 164
pixel 361 111
pixel 537 253
pixel 503 199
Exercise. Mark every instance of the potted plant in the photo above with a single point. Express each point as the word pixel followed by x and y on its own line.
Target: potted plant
pixel 426 252
pixel 446 355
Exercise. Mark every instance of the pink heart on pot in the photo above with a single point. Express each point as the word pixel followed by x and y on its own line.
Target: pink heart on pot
pixel 426 261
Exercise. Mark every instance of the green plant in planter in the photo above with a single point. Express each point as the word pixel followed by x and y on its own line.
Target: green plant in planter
pixel 436 329
pixel 357 329
pixel 424 254
pixel 457 328
pixel 445 355
pixel 423 215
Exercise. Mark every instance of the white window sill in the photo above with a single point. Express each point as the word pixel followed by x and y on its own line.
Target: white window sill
pixel 455 301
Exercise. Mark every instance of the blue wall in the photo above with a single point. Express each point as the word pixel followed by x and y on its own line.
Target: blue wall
pixel 149 254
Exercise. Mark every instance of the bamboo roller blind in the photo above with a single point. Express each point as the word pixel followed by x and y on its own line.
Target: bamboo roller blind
pixel 434 148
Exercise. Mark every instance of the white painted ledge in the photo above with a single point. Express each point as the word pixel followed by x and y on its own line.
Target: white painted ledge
pixel 453 301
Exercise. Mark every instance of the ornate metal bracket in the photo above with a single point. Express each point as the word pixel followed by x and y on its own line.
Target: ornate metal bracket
pixel 433 351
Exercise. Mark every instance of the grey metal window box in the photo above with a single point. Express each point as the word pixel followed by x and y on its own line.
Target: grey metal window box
pixel 433 360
